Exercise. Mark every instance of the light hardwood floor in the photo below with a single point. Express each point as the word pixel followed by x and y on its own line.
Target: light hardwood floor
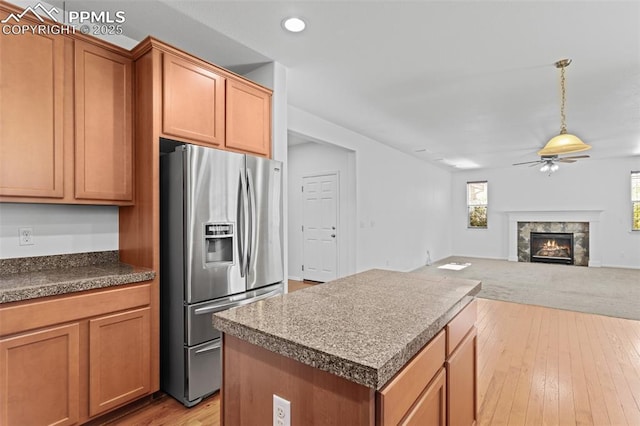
pixel 535 366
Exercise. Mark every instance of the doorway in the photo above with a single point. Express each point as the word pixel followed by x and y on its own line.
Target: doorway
pixel 320 206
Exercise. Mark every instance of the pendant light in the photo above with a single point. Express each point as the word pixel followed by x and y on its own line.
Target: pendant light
pixel 564 143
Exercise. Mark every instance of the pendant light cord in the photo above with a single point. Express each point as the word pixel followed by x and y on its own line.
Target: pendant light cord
pixel 563 118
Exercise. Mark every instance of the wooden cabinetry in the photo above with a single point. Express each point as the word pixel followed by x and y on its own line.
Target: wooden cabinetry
pixel 207 105
pixel 248 118
pixel 49 151
pixel 193 98
pixel 39 377
pixel 118 343
pixel 396 401
pixel 67 359
pixel 461 368
pixel 32 112
pixel 436 387
pixel 103 136
pixel 430 408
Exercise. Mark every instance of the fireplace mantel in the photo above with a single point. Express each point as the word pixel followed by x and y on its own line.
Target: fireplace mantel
pixel 591 216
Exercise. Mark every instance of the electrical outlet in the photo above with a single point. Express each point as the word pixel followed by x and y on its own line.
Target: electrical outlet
pixel 281 411
pixel 25 236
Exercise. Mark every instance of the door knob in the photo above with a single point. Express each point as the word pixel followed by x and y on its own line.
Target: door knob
pixel 333 235
pixel 333 227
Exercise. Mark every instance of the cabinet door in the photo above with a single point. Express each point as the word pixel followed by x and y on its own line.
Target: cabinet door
pixel 31 115
pixel 248 118
pixel 119 359
pixel 103 145
pixel 462 382
pixel 430 408
pixel 192 102
pixel 39 377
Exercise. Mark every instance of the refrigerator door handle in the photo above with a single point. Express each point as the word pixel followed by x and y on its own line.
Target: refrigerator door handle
pixel 253 233
pixel 221 307
pixel 210 347
pixel 243 211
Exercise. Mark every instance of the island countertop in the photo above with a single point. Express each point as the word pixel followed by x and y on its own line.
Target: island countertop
pixel 363 328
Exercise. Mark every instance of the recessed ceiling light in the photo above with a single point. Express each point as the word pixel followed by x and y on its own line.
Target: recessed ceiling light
pixel 293 24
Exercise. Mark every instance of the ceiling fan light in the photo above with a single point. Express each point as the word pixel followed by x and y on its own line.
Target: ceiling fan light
pixel 545 168
pixel 564 143
pixel 553 167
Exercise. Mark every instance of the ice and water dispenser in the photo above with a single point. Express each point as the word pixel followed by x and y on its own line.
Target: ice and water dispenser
pixel 218 243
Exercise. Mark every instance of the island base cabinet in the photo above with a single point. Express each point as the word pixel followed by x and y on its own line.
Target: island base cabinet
pixel 39 377
pixel 430 408
pixel 461 367
pixel 461 382
pixel 418 389
pixel 252 375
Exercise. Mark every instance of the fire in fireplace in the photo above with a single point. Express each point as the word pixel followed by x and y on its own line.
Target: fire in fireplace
pixel 551 247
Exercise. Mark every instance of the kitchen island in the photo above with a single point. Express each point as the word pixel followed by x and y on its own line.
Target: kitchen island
pixel 379 347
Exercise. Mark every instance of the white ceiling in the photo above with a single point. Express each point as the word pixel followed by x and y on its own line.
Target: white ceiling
pixel 464 82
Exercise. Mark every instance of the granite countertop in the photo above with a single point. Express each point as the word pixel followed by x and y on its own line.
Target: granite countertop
pixel 364 328
pixel 34 277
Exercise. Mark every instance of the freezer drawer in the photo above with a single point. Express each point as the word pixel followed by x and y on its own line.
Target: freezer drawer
pixel 198 316
pixel 204 369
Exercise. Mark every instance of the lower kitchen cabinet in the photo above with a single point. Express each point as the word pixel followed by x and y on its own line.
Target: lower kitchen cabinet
pixel 430 408
pixel 418 389
pixel 119 355
pixel 39 377
pixel 68 359
pixel 461 382
pixel 461 366
pixel 439 385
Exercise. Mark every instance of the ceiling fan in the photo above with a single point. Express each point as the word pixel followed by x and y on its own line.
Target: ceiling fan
pixel 564 143
pixel 549 162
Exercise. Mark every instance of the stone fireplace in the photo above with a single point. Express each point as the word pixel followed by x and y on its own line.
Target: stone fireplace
pixel 583 224
pixel 575 251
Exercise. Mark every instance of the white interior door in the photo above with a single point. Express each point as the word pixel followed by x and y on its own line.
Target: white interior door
pixel 319 227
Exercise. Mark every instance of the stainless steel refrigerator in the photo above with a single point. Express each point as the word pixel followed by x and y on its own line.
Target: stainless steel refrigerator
pixel 221 246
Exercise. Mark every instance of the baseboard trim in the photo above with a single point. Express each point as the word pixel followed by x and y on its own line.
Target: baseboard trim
pixel 295 278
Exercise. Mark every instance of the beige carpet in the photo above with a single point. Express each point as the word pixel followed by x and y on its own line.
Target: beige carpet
pixel 606 291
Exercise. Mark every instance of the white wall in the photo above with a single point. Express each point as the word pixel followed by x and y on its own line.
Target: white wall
pixel 57 229
pixel 585 185
pixel 314 159
pixel 403 204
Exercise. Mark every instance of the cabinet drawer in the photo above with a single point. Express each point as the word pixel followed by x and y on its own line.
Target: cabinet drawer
pixel 31 314
pixel 460 326
pixel 403 390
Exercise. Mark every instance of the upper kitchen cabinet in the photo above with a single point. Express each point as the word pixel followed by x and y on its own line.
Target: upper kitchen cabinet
pixel 32 114
pixel 103 124
pixel 248 118
pixel 193 99
pixel 66 117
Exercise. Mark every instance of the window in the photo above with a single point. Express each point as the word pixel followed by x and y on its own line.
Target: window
pixel 477 204
pixel 635 200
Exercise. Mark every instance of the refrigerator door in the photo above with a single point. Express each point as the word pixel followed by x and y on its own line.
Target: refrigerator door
pixel 215 197
pixel 265 260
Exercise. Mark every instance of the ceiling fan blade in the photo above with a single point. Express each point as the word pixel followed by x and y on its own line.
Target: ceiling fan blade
pixel 574 157
pixel 566 160
pixel 527 162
